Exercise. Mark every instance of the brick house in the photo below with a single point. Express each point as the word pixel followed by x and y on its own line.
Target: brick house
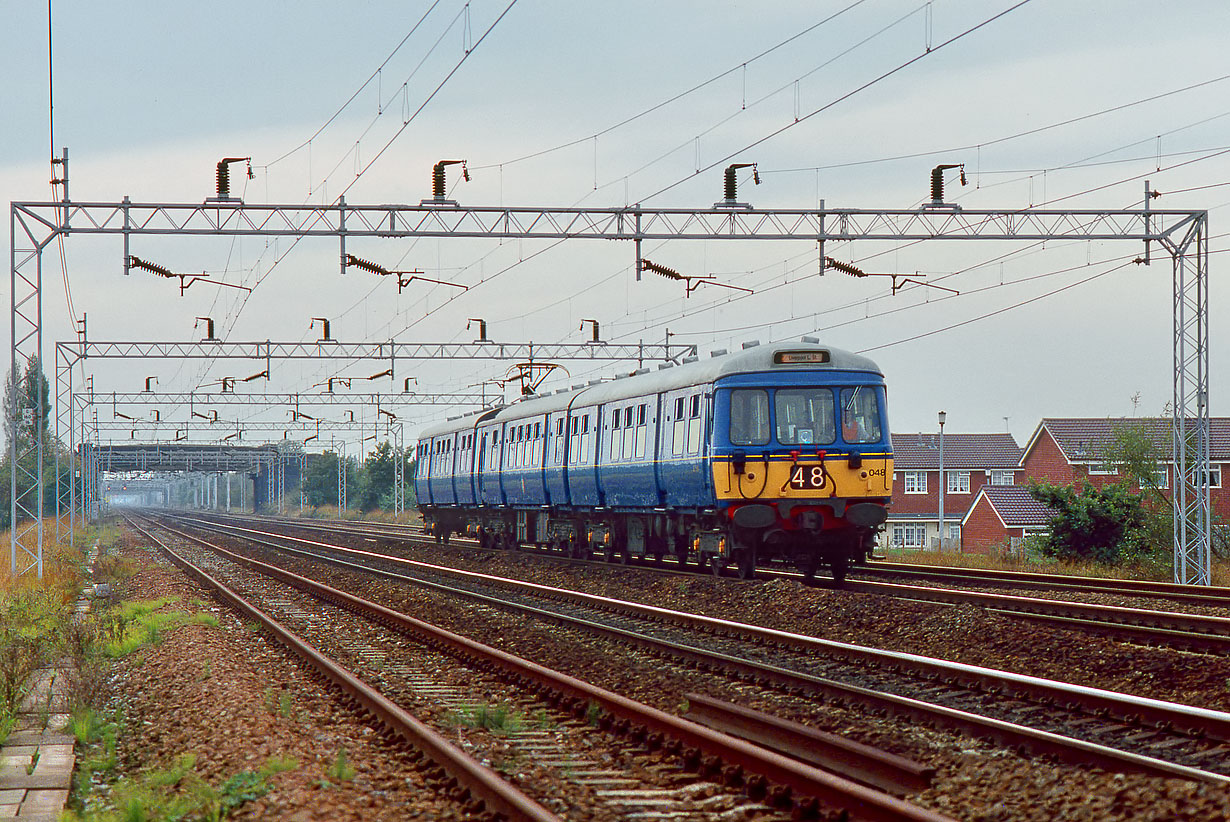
pixel 971 461
pixel 1067 450
pixel 1002 516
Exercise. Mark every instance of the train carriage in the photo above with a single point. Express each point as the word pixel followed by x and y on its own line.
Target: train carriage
pixel 774 453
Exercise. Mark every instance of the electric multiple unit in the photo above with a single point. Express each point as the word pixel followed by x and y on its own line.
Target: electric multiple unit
pixel 777 452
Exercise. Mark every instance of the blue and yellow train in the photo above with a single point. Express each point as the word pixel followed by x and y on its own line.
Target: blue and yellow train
pixel 774 453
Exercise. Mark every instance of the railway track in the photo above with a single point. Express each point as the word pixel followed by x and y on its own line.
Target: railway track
pixel 1080 724
pixel 770 779
pixel 1203 632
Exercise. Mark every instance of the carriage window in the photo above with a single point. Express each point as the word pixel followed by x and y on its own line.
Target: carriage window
pixel 860 414
pixel 678 430
pixel 805 416
pixel 585 439
pixel 617 435
pixel 640 431
pixel 749 416
pixel 694 425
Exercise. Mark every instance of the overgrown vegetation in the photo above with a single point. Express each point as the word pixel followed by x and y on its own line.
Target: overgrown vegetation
pixel 174 793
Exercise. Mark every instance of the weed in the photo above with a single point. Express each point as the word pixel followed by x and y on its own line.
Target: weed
pixel 33 761
pixel 498 718
pixel 279 702
pixel 341 770
pixel 593 712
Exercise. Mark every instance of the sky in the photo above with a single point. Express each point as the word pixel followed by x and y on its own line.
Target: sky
pixel 605 104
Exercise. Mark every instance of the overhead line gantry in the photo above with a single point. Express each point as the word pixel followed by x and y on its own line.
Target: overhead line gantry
pixel 1182 234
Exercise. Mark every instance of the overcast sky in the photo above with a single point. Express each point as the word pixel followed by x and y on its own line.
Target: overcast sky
pixel 148 96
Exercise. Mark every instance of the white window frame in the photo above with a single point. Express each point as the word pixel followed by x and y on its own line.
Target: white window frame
pixel 998 474
pixel 954 531
pixel 1215 476
pixel 958 482
pixel 901 532
pixel 919 479
pixel 1101 469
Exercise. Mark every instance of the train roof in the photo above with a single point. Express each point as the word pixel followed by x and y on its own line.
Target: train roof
pixel 693 371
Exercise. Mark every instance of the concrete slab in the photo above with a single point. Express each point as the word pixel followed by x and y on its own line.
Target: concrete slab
pixel 36 737
pixel 12 796
pixel 43 801
pixel 8 811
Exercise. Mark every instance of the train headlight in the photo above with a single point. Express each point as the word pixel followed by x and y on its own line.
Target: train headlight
pixel 696 544
pixel 606 538
pixel 722 546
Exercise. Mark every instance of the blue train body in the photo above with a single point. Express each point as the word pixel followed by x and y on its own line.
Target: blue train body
pixel 774 452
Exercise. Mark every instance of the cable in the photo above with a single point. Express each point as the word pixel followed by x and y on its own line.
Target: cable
pixel 996 312
pixel 842 98
pixel 678 96
pixel 998 140
pixel 359 90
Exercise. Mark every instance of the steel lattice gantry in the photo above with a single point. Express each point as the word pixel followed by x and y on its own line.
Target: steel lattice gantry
pixel 1184 235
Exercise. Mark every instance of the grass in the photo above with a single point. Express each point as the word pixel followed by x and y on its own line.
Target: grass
pixel 495 718
pixel 178 792
pixel 137 624
pixel 341 770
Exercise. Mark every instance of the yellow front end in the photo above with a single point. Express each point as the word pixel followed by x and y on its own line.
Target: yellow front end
pixel 784 477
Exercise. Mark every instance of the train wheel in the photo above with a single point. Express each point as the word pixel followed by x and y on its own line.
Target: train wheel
pixel 841 564
pixel 745 563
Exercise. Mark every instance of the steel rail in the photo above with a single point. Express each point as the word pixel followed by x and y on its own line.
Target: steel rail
pixel 1215 596
pixel 863 763
pixel 1133 709
pixel 1165 620
pixel 485 786
pixel 1191 631
pixel 773 775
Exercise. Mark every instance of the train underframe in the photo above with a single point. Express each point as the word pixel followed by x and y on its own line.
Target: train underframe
pixel 704 539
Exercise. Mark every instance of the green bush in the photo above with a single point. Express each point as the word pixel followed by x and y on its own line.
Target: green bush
pixel 1111 525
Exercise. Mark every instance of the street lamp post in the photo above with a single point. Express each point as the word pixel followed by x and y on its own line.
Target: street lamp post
pixel 943 416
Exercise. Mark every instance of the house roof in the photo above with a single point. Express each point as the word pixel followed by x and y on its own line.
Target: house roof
pixel 1081 439
pixel 1014 506
pixel 921 451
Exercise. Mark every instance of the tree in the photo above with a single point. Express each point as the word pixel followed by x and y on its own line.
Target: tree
pixel 1109 525
pixel 30 393
pixel 320 479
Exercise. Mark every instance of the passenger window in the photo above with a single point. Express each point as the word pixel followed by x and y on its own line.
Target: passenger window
pixel 694 425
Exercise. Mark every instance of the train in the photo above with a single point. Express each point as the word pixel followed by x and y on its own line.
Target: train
pixel 776 454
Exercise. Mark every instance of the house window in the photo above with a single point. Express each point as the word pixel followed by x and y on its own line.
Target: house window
pixel 915 482
pixel 1215 476
pixel 958 482
pixel 1162 476
pixel 1001 477
pixel 954 531
pixel 909 536
pixel 1102 469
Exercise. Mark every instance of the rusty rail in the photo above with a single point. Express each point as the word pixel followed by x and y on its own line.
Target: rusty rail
pixel 1140 711
pixel 854 760
pixel 486 789
pixel 764 774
